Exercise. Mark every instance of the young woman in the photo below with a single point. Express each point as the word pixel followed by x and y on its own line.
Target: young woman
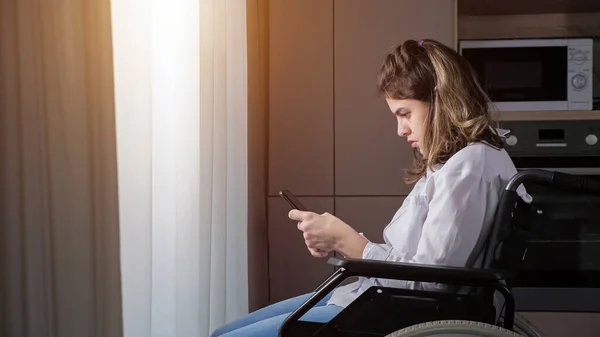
pixel 459 171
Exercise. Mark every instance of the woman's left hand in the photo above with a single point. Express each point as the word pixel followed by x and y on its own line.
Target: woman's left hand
pixel 326 232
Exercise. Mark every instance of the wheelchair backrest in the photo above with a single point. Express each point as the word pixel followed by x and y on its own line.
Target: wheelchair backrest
pixel 516 221
pixel 509 248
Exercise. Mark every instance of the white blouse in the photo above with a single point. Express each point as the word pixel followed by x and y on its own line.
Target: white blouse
pixel 443 218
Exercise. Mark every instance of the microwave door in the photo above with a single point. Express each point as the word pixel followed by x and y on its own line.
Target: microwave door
pixel 522 78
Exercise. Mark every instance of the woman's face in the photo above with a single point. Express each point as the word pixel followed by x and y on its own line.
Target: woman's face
pixel 411 115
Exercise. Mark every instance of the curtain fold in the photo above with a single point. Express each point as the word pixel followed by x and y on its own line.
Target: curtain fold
pixel 181 107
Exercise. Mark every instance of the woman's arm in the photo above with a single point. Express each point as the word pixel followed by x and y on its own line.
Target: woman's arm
pixel 351 244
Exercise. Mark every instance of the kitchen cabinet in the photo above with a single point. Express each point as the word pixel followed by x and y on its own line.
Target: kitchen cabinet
pixel 293 271
pixel 301 97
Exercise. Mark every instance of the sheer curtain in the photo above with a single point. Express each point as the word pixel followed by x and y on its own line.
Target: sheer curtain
pixel 181 107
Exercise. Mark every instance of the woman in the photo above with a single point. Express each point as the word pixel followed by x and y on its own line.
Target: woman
pixel 459 171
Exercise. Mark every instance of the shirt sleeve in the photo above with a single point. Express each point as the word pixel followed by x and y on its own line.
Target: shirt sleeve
pixel 451 230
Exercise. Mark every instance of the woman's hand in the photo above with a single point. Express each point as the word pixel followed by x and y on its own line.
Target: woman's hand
pixel 324 233
pixel 318 253
pixel 320 231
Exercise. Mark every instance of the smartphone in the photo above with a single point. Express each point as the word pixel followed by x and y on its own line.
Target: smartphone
pixel 292 200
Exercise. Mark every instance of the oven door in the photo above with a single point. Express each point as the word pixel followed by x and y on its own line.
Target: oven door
pixel 561 268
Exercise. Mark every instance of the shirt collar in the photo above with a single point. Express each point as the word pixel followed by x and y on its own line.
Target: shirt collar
pixel 436 167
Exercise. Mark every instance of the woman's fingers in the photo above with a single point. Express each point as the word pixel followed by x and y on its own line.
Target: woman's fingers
pixel 318 253
pixel 301 215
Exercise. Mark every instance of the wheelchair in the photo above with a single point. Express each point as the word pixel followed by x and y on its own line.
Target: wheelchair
pixel 468 306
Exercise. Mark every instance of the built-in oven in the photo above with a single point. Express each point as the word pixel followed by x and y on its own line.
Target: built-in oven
pixel 536 74
pixel 561 269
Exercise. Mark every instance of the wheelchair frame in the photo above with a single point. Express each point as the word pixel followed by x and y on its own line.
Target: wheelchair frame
pixel 504 251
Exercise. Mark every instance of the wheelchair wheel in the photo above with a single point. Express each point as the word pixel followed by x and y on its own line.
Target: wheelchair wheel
pixel 454 328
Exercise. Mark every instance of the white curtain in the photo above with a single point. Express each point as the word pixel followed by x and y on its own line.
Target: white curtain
pixel 181 107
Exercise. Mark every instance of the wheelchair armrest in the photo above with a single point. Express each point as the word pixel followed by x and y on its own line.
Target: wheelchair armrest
pixel 555 179
pixel 420 272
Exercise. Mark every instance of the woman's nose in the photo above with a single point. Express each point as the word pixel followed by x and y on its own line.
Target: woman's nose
pixel 403 130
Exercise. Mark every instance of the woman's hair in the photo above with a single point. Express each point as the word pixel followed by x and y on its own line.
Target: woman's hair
pixel 431 72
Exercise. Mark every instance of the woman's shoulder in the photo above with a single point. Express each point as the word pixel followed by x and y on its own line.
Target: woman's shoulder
pixel 480 159
pixel 477 163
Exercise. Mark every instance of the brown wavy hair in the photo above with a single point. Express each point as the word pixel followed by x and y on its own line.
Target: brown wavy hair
pixel 458 106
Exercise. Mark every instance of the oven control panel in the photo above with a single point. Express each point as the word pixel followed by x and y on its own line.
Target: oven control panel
pixel 552 138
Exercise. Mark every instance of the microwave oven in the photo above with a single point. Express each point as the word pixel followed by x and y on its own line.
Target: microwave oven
pixel 534 74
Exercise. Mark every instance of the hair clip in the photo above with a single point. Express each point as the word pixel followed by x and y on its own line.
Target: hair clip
pixel 421 43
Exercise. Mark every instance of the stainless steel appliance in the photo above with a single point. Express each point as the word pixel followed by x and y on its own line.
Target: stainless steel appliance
pixel 562 264
pixel 534 74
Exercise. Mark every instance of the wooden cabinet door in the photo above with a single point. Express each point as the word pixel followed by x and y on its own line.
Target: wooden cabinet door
pixel 301 96
pixel 292 270
pixel 300 136
pixel 369 155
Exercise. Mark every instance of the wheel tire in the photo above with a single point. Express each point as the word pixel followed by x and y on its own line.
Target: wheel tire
pixel 457 327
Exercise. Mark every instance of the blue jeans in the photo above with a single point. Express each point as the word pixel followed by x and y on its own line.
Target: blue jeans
pixel 266 322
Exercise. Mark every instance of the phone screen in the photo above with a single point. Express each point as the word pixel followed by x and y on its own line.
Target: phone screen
pixel 292 200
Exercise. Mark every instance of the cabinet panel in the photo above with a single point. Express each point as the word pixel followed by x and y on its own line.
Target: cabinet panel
pixel 292 270
pixel 560 324
pixel 368 215
pixel 301 97
pixel 369 156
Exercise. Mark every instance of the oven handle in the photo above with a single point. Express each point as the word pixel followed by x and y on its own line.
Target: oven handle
pixel 554 178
